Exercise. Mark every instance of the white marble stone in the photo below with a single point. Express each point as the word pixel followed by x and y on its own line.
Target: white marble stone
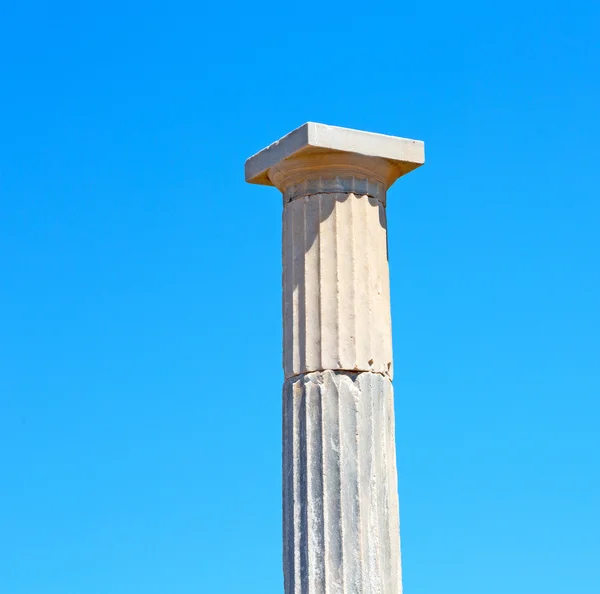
pixel 341 529
pixel 340 499
pixel 336 292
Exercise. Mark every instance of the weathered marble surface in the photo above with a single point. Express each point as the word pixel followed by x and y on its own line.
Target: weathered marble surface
pixel 340 499
pixel 336 292
pixel 341 530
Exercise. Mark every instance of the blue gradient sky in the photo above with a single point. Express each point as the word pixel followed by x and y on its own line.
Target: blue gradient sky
pixel 140 341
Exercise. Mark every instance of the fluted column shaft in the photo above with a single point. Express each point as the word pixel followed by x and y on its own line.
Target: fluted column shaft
pixel 340 510
pixel 341 530
pixel 340 513
pixel 336 294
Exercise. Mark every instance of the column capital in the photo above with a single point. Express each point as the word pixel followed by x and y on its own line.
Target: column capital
pixel 317 152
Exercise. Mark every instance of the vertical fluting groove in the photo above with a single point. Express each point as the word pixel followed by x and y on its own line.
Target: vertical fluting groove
pixel 296 345
pixel 314 503
pixel 317 307
pixel 331 480
pixel 336 240
pixel 353 200
pixel 294 565
pixel 302 313
pixel 311 249
pixel 342 457
pixel 346 296
pixel 364 464
pixel 287 488
pixel 349 398
pixel 368 291
pixel 360 301
pixel 322 275
pixel 298 503
pixel 322 469
pixel 288 291
pixel 374 553
pixel 302 479
pixel 328 284
pixel 387 336
pixel 339 228
pixel 383 491
pixel 371 289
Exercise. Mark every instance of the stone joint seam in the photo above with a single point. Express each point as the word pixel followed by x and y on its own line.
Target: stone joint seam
pixel 340 371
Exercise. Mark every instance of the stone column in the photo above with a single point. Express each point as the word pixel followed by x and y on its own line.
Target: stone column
pixel 341 531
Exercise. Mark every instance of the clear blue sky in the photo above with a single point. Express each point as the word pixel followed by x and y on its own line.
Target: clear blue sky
pixel 140 341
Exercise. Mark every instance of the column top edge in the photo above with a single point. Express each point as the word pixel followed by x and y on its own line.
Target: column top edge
pixel 312 138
